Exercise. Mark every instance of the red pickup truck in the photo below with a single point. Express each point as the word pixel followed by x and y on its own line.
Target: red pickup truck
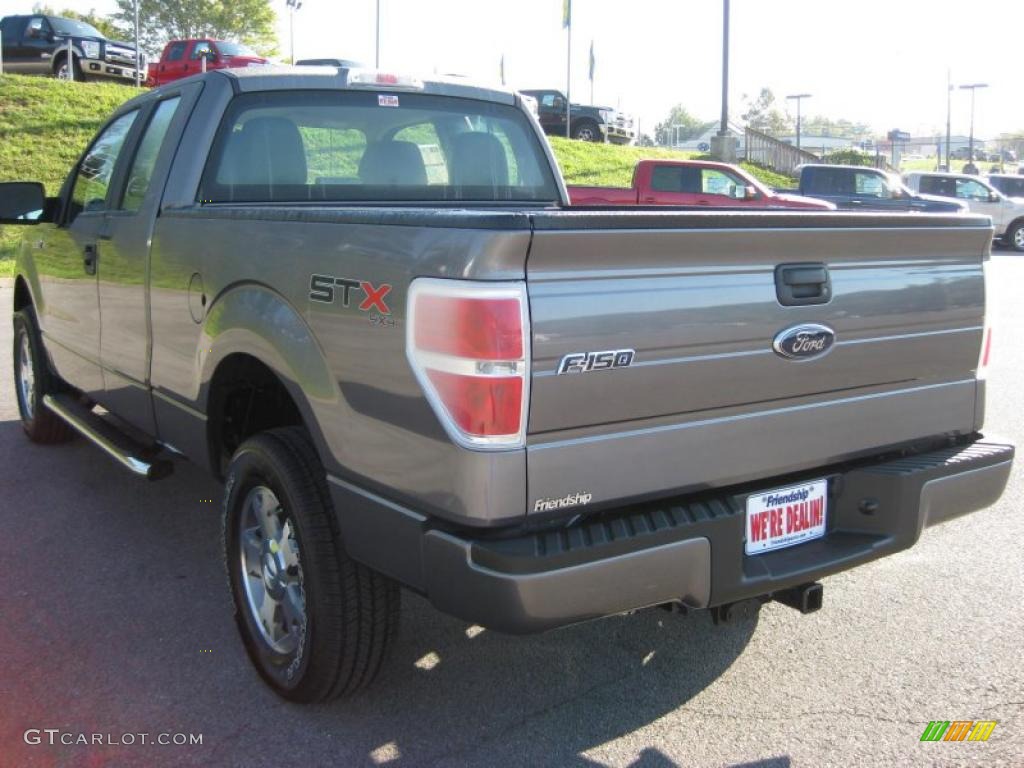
pixel 182 58
pixel 693 182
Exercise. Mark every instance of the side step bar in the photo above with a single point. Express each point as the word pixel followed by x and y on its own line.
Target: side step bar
pixel 107 437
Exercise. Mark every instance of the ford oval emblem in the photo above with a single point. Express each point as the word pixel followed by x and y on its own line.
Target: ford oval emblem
pixel 803 342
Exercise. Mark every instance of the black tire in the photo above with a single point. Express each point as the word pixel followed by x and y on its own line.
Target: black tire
pixel 60 72
pixel 587 130
pixel 39 422
pixel 1014 237
pixel 350 613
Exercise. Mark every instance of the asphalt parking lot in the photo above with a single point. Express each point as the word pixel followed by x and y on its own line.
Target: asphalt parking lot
pixel 115 619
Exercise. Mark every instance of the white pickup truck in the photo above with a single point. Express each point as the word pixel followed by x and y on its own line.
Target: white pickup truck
pixel 1007 212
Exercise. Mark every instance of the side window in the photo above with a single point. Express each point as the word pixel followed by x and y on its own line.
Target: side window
pixel 936 185
pixel 97 168
pixel 145 158
pixel 665 178
pixel 547 100
pixel 968 189
pixel 869 185
pixel 332 154
pixel 37 28
pixel 715 182
pixel 176 51
pixel 200 49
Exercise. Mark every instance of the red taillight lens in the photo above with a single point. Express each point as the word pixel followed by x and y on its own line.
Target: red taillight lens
pixel 987 348
pixel 484 406
pixel 481 329
pixel 468 345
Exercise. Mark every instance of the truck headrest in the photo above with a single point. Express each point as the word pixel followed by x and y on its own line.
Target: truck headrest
pixel 478 160
pixel 393 163
pixel 267 151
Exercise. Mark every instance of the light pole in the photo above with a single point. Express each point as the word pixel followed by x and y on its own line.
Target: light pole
pixel 376 58
pixel 293 6
pixel 723 143
pixel 949 115
pixel 799 97
pixel 970 141
pixel 138 50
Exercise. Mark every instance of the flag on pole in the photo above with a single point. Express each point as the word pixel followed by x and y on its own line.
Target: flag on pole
pixel 566 13
pixel 593 61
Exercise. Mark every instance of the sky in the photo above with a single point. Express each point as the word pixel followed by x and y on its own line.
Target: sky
pixel 880 62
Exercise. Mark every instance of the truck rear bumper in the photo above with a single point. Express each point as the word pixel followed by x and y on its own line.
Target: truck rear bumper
pixel 688 550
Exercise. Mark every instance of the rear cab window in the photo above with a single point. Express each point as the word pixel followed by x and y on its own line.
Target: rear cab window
pixel 176 51
pixel 367 146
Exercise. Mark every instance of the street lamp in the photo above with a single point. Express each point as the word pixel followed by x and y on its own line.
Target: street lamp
pixel 293 6
pixel 377 49
pixel 970 142
pixel 799 97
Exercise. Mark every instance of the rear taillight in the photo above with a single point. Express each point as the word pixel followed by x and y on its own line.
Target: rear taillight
pixel 985 354
pixel 468 343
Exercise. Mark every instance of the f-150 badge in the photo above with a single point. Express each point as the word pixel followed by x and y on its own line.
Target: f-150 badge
pixel 585 362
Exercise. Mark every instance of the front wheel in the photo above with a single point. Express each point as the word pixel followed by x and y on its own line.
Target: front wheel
pixel 1015 236
pixel 316 624
pixel 64 71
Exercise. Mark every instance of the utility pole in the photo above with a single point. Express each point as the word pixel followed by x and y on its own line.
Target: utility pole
pixel 949 114
pixel 799 97
pixel 567 23
pixel 723 144
pixel 970 142
pixel 138 51
pixel 293 6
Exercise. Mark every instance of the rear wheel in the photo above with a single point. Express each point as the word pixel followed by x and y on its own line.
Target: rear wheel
pixel 1015 236
pixel 32 381
pixel 316 624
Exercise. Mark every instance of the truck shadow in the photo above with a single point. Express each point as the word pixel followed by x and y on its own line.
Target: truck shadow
pixel 451 694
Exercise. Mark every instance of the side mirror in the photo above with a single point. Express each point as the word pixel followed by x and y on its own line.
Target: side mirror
pixel 34 33
pixel 210 55
pixel 22 202
pixel 559 103
pixel 750 192
pixel 993 197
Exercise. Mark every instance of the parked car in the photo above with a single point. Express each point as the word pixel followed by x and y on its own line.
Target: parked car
pixel 530 415
pixel 692 182
pixel 981 197
pixel 184 58
pixel 37 44
pixel 859 188
pixel 1010 184
pixel 588 123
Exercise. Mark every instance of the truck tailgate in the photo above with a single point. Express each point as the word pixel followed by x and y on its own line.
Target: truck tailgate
pixel 707 401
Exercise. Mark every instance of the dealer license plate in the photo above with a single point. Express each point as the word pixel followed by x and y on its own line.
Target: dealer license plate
pixel 786 516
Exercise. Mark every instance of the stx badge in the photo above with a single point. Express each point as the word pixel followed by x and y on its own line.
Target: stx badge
pixel 322 288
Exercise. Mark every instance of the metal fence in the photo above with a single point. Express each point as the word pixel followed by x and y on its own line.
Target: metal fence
pixel 770 152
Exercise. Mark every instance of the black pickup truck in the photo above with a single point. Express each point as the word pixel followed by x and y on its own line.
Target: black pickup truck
pixel 38 45
pixel 588 123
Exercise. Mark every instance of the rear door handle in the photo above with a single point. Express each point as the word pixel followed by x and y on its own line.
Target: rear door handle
pixel 801 284
pixel 91 255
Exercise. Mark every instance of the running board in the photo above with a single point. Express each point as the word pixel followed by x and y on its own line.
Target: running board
pixel 101 433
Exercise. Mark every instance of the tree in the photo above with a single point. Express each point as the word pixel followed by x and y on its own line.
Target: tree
pixel 246 21
pixel 102 23
pixel 689 126
pixel 819 125
pixel 763 115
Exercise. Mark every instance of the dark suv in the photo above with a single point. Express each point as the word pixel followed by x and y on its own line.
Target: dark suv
pixel 38 45
pixel 588 123
pixel 1011 185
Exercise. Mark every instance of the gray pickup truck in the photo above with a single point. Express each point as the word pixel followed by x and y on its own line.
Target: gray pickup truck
pixel 362 301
